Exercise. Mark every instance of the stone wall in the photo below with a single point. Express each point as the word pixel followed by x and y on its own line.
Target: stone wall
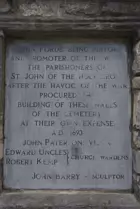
pixel 68 14
pixel 93 18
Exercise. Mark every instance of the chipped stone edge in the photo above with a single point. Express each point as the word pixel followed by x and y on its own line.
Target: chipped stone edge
pixel 136 121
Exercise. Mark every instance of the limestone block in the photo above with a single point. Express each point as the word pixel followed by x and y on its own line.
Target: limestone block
pixel 85 8
pixel 136 83
pixel 136 110
pixel 136 185
pixel 136 139
pixel 136 63
pixel 4 6
pixel 136 161
pixel 41 8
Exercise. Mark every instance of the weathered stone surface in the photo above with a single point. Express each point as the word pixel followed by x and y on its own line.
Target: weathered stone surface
pixel 111 23
pixel 99 142
pixel 136 110
pixel 136 185
pixel 136 63
pixel 84 8
pixel 68 200
pixel 1 150
pixel 115 7
pixel 1 165
pixel 136 161
pixel 72 15
pixel 136 83
pixel 4 6
pixel 136 139
pixel 41 8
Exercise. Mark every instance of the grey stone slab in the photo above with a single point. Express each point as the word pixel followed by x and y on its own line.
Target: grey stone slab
pixel 67 116
pixel 68 200
pixel 136 83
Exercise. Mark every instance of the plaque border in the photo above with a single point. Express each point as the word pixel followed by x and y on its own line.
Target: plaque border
pixel 79 39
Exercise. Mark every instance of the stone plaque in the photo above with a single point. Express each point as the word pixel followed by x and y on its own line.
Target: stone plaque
pixel 67 116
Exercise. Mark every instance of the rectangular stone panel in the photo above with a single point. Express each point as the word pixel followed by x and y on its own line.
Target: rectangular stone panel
pixel 67 116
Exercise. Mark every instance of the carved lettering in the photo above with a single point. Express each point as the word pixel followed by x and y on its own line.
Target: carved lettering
pixel 67 115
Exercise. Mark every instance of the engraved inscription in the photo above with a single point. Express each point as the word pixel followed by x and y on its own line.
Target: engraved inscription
pixel 67 116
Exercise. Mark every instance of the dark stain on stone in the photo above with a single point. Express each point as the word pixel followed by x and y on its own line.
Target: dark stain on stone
pixel 75 150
